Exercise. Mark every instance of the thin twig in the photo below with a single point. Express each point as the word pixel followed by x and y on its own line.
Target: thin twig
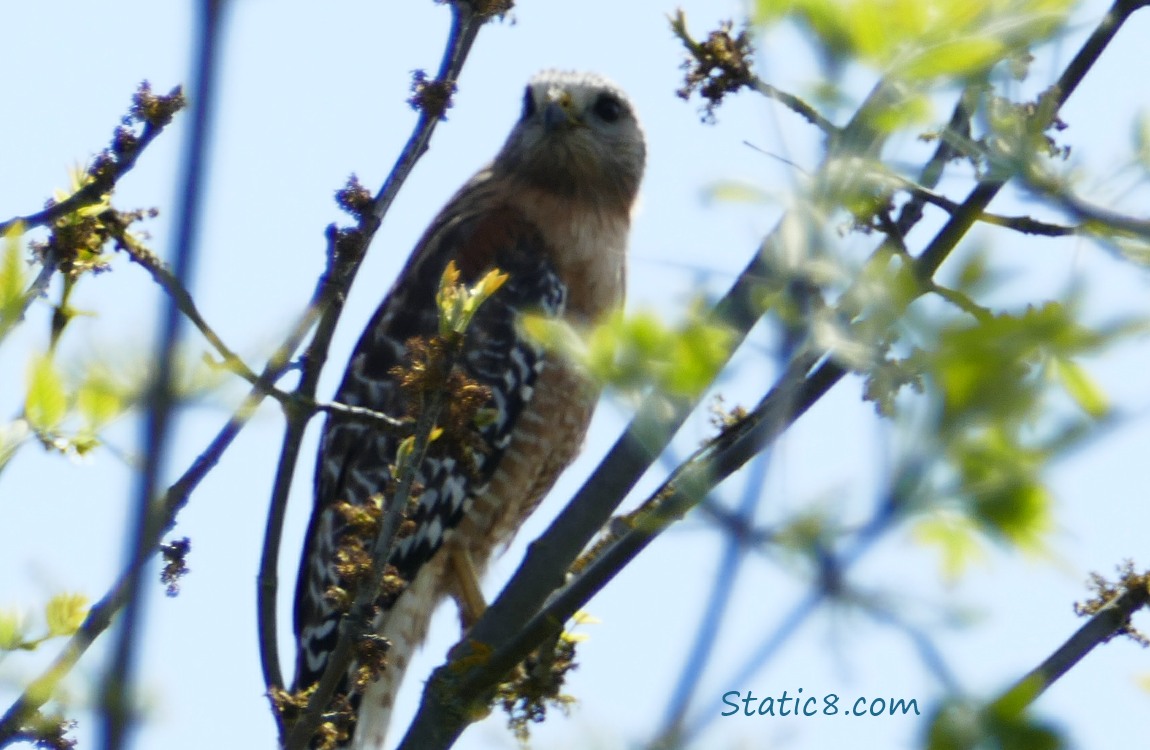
pixel 36 289
pixel 831 573
pixel 1096 219
pixel 466 22
pixel 100 616
pixel 796 105
pixel 1023 224
pixel 910 214
pixel 361 616
pixel 1101 627
pixel 94 191
pixel 232 361
pixel 106 173
pixel 115 692
pixel 179 295
pixel 957 128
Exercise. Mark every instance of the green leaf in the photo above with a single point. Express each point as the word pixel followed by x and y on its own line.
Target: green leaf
pixel 1142 140
pixel 963 57
pixel 988 371
pixel 1018 509
pixel 46 403
pixel 12 629
pixel 99 399
pixel 64 613
pixel 554 334
pixel 629 352
pixel 731 191
pixel 1080 387
pixel 1000 477
pixel 956 726
pixel 956 539
pixel 700 351
pixel 458 303
pixel 632 353
pixel 963 725
pixel 13 277
pixel 973 273
pixel 12 436
pixel 922 40
pixel 1133 249
pixel 912 109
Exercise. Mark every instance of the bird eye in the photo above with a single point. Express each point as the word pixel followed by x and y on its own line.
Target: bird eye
pixel 528 103
pixel 608 108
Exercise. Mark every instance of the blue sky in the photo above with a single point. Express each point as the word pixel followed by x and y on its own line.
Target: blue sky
pixel 312 92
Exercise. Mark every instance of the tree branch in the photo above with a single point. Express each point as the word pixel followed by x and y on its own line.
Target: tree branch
pixel 115 161
pixel 796 105
pixel 1023 224
pixel 115 694
pixel 174 500
pixel 110 166
pixel 1109 620
pixel 467 19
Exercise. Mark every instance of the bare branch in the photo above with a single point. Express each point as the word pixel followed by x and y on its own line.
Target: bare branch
pixel 173 501
pixel 796 105
pixel 148 518
pixel 1106 622
pixel 467 19
pixel 1096 219
pixel 114 162
pixel 1023 224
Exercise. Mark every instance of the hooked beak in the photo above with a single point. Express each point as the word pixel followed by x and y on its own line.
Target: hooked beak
pixel 559 112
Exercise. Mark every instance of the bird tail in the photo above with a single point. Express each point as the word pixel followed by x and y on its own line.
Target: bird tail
pixel 404 625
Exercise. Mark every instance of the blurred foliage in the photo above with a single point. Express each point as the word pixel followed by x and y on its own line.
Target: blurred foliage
pixel 62 616
pixel 13 279
pixel 635 352
pixel 983 392
pixel 961 725
pixel 978 395
pixel 911 39
pixel 66 408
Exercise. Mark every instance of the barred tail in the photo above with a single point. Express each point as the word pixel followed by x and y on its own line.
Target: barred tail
pixel 405 626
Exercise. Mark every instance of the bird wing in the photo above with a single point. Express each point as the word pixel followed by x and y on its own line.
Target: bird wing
pixel 355 458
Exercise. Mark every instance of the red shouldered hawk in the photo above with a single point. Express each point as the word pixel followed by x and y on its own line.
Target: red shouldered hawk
pixel 553 212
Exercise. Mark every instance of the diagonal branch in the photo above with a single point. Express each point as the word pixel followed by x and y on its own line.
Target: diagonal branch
pixel 1109 620
pixel 105 172
pixel 467 19
pixel 100 616
pixel 675 731
pixel 110 166
pixel 147 518
pixel 1023 224
pixel 173 501
pixel 229 359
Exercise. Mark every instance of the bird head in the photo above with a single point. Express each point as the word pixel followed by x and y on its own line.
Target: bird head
pixel 577 136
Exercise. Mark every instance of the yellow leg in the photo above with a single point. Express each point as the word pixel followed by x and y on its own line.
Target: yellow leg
pixel 465 588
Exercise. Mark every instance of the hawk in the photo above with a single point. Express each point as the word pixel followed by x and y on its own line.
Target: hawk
pixel 552 212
